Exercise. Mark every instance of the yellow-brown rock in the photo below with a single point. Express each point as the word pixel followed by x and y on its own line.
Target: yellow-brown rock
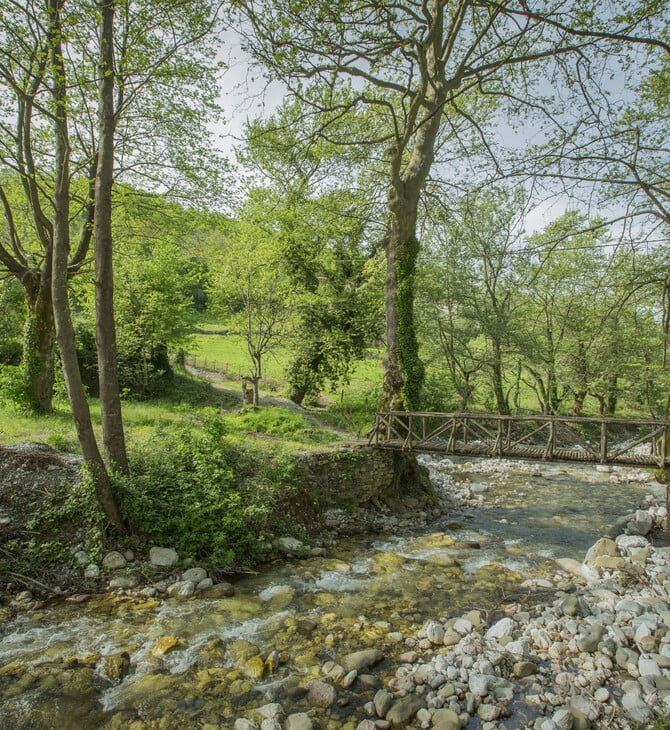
pixel 254 668
pixel 166 644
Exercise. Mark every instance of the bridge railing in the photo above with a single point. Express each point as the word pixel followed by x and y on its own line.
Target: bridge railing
pixel 642 442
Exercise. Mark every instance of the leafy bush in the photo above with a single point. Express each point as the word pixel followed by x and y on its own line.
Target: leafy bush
pixel 13 386
pixel 194 491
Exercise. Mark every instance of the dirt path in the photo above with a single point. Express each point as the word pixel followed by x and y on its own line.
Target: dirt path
pixel 215 378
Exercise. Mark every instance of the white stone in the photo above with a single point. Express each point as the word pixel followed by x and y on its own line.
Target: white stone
pixel 601 695
pixel 243 724
pixel 563 718
pixel 628 542
pixel 462 626
pixel 586 706
pixel 434 632
pixel 271 710
pixel 501 628
pixel 299 721
pixel 647 666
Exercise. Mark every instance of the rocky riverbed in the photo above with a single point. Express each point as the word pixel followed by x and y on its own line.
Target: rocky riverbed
pixel 443 630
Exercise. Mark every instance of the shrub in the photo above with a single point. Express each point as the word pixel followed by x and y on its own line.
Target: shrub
pixel 194 491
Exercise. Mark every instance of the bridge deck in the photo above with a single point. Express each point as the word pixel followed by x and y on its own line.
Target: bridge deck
pixel 642 442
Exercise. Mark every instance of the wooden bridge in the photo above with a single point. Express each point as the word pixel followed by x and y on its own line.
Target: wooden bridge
pixel 643 442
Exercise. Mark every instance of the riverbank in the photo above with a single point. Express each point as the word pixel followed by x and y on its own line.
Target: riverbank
pixel 595 655
pixel 428 624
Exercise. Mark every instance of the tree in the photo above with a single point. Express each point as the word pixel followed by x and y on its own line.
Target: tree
pixel 252 287
pixel 47 55
pixel 565 271
pixel 475 243
pixel 428 71
pixel 59 275
pixel 164 95
pixel 110 395
pixel 316 198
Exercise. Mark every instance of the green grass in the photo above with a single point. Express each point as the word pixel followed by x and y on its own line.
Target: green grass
pixel 228 354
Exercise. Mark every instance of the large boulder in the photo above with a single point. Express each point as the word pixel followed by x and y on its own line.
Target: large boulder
pixel 163 557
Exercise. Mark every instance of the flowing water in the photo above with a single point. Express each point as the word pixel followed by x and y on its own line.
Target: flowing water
pixel 202 662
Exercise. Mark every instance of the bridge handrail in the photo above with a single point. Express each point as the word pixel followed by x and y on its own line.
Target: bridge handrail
pixel 537 417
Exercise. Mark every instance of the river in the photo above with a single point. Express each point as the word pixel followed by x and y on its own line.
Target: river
pixel 203 662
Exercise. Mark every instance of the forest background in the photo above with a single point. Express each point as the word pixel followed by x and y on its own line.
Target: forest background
pixel 368 246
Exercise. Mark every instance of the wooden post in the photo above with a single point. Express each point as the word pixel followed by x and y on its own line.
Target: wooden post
pixel 499 439
pixel 549 450
pixel 603 442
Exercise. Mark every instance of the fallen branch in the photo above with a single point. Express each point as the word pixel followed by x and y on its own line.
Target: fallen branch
pixel 27 580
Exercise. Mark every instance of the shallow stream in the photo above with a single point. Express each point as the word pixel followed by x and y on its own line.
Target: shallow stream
pixel 202 662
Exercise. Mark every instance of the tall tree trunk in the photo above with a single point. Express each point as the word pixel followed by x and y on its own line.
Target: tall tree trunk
pixel 403 370
pixel 39 340
pixel 59 279
pixel 497 374
pixel 105 331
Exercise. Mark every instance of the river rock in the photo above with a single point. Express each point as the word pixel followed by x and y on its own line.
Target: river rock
pixel 82 558
pixel 181 588
pixel 524 669
pixel 271 724
pixel 163 557
pixel 570 606
pixel 360 660
pixel 586 706
pixel 636 709
pixel 488 713
pixel 124 582
pixel 290 546
pixel 204 585
pixel 221 590
pixel 254 668
pixel 648 666
pixel 404 709
pixel 166 644
pixel 641 525
pixel 195 575
pixel 605 547
pixel 299 721
pixel 563 718
pixel 445 719
pixel 117 665
pixel 92 571
pixel 243 724
pixel 479 684
pixel 320 693
pixel 113 560
pixel 382 702
pixel 272 710
pixel 434 632
pixel 626 543
pixel 501 628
